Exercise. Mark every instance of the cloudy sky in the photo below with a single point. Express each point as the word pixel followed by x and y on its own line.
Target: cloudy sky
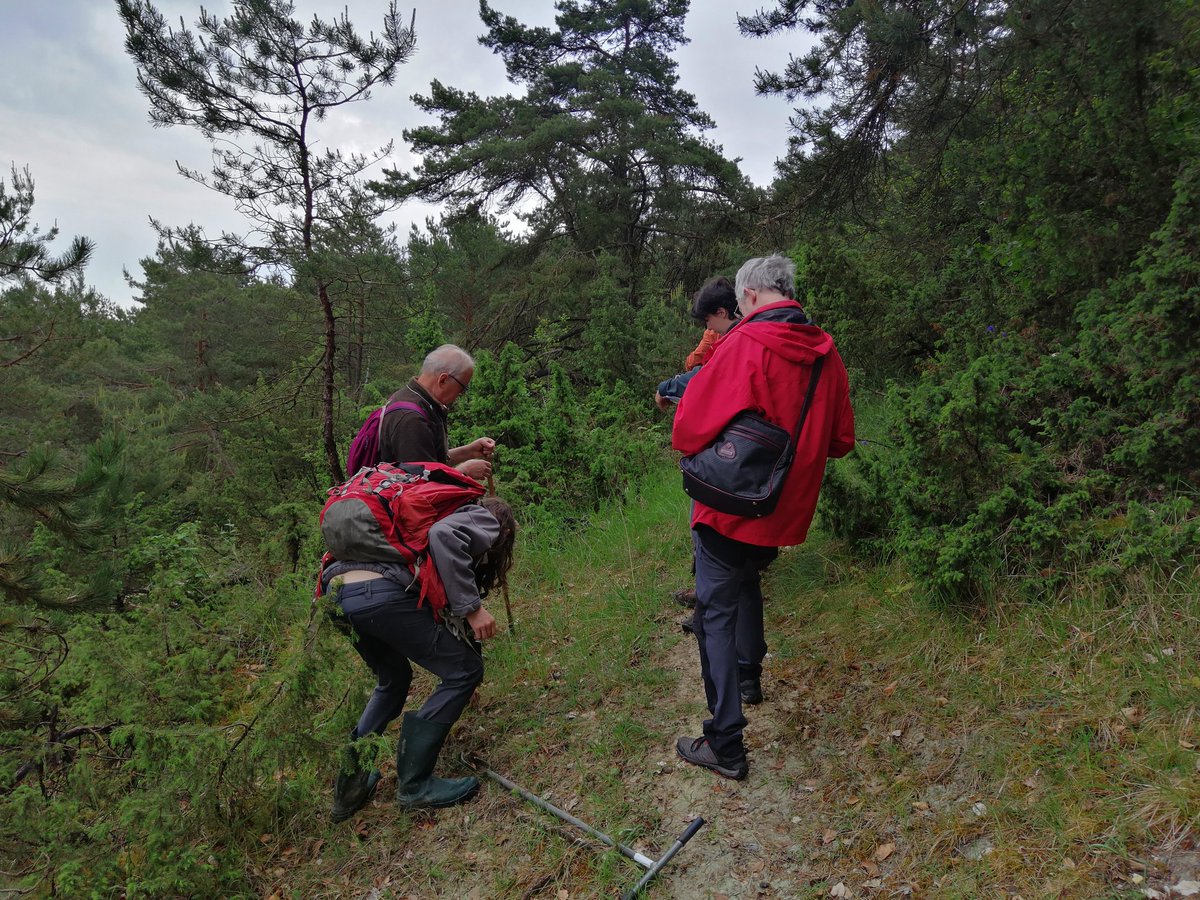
pixel 70 111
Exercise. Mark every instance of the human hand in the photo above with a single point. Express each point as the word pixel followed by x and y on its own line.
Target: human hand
pixel 483 448
pixel 661 402
pixel 479 469
pixel 482 623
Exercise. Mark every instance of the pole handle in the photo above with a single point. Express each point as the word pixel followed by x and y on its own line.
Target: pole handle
pixel 690 832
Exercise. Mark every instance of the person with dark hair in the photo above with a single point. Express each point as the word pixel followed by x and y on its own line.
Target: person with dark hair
pixel 715 307
pixel 765 364
pixel 472 549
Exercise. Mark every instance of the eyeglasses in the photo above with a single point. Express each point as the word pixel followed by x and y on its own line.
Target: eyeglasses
pixel 460 384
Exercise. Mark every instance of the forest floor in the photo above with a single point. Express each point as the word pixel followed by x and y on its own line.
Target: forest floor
pixel 903 749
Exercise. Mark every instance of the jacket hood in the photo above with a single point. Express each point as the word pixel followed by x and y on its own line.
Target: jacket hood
pixel 791 340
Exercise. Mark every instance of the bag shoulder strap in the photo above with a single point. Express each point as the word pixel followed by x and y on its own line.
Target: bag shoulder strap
pixel 812 389
pixel 399 404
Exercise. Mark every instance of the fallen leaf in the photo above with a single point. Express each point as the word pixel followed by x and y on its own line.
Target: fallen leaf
pixel 563 894
pixel 874 884
pixel 883 851
pixel 829 836
pixel 1132 713
pixel 1068 863
pixel 1186 745
pixel 840 890
pixel 1186 888
pixel 891 689
pixel 920 805
pixel 870 868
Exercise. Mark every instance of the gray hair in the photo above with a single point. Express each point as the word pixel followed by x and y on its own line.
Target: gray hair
pixel 449 358
pixel 767 273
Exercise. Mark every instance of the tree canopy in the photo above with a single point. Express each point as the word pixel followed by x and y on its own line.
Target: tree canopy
pixel 262 73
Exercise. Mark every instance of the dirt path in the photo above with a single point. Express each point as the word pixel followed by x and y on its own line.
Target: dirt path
pixel 749 844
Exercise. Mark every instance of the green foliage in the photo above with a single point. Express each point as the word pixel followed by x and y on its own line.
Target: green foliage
pixel 24 250
pixel 1024 271
pixel 559 454
pixel 993 483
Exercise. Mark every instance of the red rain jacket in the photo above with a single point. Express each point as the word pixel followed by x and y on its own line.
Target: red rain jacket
pixel 765 366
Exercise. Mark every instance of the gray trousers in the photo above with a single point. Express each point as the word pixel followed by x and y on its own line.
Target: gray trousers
pixel 391 633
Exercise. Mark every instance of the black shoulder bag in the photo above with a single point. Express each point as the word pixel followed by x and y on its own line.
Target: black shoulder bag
pixel 742 473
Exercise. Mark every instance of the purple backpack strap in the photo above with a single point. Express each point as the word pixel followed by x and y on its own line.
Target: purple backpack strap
pixel 404 404
pixel 399 404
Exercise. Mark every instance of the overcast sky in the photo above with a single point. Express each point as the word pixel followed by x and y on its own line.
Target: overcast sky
pixel 71 111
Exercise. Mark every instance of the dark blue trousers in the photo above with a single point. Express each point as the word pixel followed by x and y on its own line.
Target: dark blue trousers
pixel 390 633
pixel 729 618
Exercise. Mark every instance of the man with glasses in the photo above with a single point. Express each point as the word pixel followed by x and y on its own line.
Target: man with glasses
pixel 414 429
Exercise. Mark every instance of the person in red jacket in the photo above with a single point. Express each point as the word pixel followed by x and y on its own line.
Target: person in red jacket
pixel 763 364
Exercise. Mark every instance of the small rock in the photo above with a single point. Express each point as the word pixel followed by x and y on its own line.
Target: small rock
pixel 977 849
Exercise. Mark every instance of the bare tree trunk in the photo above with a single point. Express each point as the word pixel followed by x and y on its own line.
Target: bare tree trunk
pixel 332 458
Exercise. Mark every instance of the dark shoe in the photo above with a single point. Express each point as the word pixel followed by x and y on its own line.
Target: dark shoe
pixel 751 691
pixel 352 792
pixel 418 788
pixel 355 785
pixel 689 624
pixel 685 597
pixel 699 753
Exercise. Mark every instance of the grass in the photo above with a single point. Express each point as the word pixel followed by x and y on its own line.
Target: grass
pixel 1042 751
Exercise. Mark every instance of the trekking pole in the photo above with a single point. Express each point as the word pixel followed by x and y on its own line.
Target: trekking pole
pixel 652 867
pixel 694 826
pixel 508 609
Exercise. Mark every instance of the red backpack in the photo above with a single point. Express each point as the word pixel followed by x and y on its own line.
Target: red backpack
pixel 384 513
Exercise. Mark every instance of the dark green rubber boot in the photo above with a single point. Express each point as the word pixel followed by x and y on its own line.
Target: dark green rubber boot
pixel 420 743
pixel 354 786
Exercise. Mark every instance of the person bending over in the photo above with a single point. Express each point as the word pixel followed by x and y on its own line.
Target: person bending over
pixel 473 551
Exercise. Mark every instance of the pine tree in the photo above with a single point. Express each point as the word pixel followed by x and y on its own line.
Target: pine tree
pixel 24 250
pixel 263 75
pixel 603 142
